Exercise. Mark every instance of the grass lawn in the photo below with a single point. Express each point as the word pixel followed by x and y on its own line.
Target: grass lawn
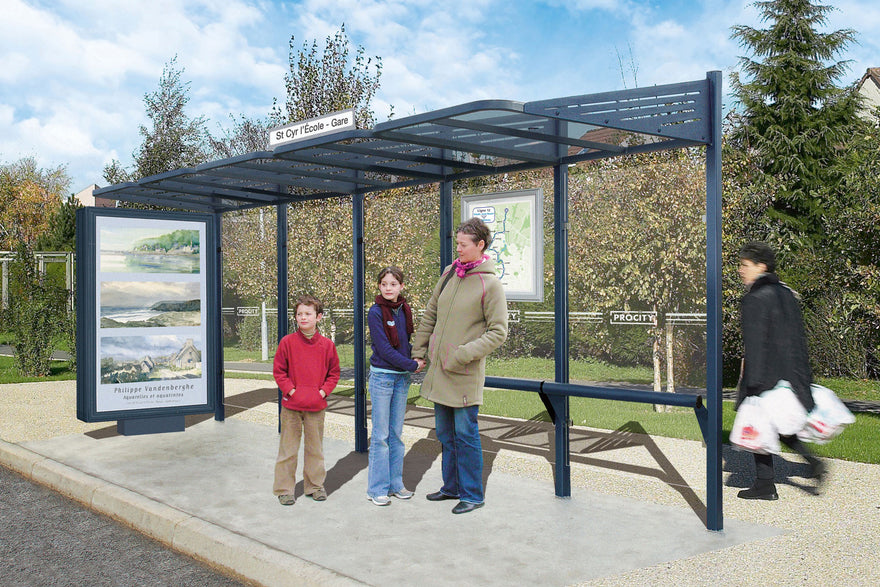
pixel 860 442
pixel 59 371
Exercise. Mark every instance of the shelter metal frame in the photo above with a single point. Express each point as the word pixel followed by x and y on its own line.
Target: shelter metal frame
pixel 477 139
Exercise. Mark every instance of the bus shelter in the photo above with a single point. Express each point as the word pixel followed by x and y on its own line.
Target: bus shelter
pixel 483 138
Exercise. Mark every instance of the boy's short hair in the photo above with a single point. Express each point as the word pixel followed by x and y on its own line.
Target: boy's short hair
pixel 475 228
pixel 758 252
pixel 309 300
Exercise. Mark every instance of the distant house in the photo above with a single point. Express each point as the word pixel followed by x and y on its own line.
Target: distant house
pixel 187 357
pixel 147 365
pixel 869 88
pixel 86 198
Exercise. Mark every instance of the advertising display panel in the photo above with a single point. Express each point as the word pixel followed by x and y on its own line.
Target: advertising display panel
pixel 147 314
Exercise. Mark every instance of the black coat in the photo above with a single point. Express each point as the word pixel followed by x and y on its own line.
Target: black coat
pixel 774 341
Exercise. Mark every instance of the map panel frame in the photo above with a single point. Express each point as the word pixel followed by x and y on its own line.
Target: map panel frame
pixel 516 219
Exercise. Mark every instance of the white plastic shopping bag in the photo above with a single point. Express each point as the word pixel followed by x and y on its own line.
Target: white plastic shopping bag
pixel 752 429
pixel 827 419
pixel 786 411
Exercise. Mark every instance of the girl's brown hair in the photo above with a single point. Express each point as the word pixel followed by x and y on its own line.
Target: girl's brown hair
pixel 396 273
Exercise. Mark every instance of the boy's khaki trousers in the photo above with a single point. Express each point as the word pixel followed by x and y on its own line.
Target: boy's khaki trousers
pixel 294 425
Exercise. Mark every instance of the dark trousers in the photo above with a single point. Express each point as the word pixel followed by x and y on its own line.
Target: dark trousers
pixel 764 463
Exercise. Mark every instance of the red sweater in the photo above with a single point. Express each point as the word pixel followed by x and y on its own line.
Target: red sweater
pixel 306 365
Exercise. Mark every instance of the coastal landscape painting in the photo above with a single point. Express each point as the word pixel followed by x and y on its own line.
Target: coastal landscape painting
pixel 149 304
pixel 143 249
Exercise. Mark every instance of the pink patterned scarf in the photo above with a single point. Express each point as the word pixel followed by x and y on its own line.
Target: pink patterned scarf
pixel 462 268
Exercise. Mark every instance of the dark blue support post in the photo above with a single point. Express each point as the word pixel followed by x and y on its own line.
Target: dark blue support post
pixel 446 228
pixel 283 285
pixel 360 380
pixel 714 514
pixel 561 412
pixel 219 392
pixel 281 239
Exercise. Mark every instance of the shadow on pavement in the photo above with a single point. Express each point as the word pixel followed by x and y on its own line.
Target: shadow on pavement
pixel 534 436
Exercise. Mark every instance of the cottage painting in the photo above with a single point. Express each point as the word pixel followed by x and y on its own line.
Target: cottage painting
pixel 132 359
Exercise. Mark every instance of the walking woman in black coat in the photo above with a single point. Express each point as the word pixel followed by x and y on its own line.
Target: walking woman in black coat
pixel 775 348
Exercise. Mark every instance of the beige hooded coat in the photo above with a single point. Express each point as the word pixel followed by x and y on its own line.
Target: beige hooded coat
pixel 464 321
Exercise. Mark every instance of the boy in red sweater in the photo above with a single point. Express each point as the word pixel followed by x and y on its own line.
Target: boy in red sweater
pixel 306 370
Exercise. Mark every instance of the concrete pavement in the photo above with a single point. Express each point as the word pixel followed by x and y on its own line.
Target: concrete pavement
pixel 635 515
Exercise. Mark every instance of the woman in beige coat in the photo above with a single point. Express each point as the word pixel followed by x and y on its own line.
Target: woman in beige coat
pixel 465 320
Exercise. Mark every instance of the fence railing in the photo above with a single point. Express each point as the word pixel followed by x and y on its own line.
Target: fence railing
pixel 42 258
pixel 677 318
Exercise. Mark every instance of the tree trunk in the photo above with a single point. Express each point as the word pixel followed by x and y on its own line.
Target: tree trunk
pixel 656 354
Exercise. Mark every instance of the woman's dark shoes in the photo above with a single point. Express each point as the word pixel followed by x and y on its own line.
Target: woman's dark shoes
pixel 440 496
pixel 464 507
pixel 760 490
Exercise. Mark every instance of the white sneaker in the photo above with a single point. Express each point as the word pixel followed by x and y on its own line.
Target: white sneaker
pixel 380 500
pixel 403 494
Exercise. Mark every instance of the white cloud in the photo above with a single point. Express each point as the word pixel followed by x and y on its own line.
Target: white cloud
pixel 864 18
pixel 75 73
pixel 587 5
pixel 433 55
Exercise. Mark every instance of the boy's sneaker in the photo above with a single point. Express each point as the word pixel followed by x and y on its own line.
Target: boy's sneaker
pixel 403 493
pixel 319 494
pixel 286 499
pixel 380 500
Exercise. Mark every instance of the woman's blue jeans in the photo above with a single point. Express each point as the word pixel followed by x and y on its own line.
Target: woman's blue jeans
pixel 462 467
pixel 388 393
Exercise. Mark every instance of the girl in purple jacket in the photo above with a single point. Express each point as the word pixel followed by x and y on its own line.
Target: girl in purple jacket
pixel 391 325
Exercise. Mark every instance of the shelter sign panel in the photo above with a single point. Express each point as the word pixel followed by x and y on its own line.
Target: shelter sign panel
pixel 146 318
pixel 516 220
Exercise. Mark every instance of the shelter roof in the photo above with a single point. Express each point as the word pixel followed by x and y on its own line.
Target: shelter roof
pixel 475 139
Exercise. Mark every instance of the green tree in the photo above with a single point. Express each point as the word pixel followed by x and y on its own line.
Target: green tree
pixel 319 84
pixel 29 197
pixel 793 115
pixel 173 140
pixel 854 231
pixel 35 308
pixel 246 135
pixel 60 234
pixel 638 222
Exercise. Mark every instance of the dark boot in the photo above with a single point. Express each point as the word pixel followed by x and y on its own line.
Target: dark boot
pixel 817 468
pixel 762 489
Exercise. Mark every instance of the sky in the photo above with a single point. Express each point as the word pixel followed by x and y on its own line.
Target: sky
pixel 73 74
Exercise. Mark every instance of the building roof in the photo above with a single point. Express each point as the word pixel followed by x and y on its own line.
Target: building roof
pixel 873 73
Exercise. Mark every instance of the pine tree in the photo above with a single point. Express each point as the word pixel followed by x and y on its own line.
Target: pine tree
pixel 793 115
pixel 61 232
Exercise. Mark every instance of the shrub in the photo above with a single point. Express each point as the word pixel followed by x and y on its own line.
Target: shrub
pixel 35 309
pixel 250 336
pixel 68 328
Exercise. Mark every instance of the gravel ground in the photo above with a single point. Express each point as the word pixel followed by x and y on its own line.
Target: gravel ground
pixel 831 534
